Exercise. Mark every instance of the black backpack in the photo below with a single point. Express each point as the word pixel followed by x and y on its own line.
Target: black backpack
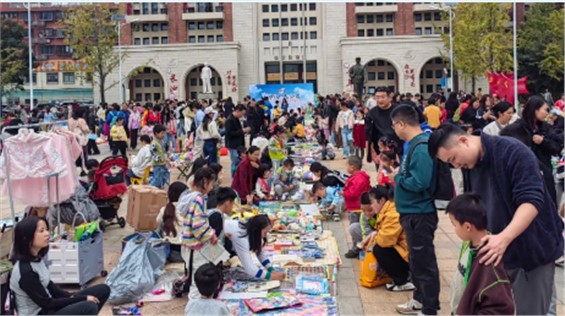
pixel 442 189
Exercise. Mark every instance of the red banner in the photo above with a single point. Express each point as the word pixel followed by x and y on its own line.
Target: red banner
pixel 503 85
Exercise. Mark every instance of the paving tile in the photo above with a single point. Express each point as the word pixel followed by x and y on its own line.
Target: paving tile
pixel 349 306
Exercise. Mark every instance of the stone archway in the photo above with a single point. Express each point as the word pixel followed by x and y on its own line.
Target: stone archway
pixel 381 72
pixel 431 75
pixel 193 84
pixel 147 85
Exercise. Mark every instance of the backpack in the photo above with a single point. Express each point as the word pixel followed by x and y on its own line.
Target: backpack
pixel 7 299
pixel 335 178
pixel 442 189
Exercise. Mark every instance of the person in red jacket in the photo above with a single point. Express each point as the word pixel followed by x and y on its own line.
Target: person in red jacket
pixel 357 184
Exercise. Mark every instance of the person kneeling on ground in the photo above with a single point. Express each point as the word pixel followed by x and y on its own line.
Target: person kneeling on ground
pixel 331 200
pixel 285 183
pixel 30 281
pixel 141 161
pixel 208 279
pixel 477 289
pixel 388 238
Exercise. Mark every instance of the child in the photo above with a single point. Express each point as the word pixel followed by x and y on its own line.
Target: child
pixel 331 201
pixel 262 187
pixel 119 137
pixel 357 184
pixel 261 141
pixel 298 131
pixel 477 288
pixel 365 226
pixel 159 158
pixel 389 164
pixel 326 150
pixel 170 220
pixel 141 161
pixel 91 146
pixel 359 134
pixel 276 146
pixel 208 279
pixel 284 181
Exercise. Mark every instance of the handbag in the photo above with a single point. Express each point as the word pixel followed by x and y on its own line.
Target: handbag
pixel 370 275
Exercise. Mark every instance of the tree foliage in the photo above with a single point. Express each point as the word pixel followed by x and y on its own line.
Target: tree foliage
pixel 12 47
pixel 92 36
pixel 481 39
pixel 540 47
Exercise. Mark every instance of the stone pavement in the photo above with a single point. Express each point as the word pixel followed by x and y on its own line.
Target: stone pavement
pixel 352 298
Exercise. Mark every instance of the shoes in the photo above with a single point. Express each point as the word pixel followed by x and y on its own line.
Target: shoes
pixel 412 307
pixel 352 253
pixel 389 286
pixel 408 286
pixel 336 217
pixel 560 262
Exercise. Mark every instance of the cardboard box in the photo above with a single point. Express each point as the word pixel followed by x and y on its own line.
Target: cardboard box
pixel 144 204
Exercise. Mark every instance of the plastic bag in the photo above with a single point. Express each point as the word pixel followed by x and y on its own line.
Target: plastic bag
pixel 370 274
pixel 140 266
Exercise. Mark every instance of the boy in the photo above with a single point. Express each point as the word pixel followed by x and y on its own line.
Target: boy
pixel 220 204
pixel 357 184
pixel 433 114
pixel 141 161
pixel 284 181
pixel 119 137
pixel 158 158
pixel 208 281
pixel 477 288
pixel 332 201
pixel 360 230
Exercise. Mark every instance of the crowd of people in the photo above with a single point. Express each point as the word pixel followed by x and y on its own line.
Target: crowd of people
pixel 510 223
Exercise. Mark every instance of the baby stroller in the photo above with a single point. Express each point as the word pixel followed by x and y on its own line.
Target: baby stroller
pixel 108 186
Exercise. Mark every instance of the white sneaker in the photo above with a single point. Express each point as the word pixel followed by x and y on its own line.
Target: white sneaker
pixel 390 285
pixel 560 261
pixel 412 307
pixel 408 286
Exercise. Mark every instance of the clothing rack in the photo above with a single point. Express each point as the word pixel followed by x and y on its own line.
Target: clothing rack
pixel 48 177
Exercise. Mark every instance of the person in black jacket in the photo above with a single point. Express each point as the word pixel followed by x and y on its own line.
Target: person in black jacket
pixel 235 135
pixel 451 105
pixel 30 281
pixel 255 118
pixel 228 107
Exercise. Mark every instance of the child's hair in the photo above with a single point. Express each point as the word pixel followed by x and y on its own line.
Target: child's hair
pixel 197 164
pixel 208 278
pixel 224 194
pixel 169 215
pixel 92 164
pixel 252 149
pixel 365 200
pixel 119 119
pixel 145 138
pixel 355 162
pixel 241 150
pixel 253 230
pixel 263 170
pixel 216 167
pixel 158 128
pixel 323 142
pixel 388 143
pixel 468 208
pixel 288 162
pixel 382 192
pixel 317 187
pixel 279 130
pixel 202 175
pixel 390 155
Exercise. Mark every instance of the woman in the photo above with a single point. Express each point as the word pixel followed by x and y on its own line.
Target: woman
pixel 503 112
pixel 79 127
pixel 208 133
pixel 388 239
pixel 251 237
pixel 469 114
pixel 134 124
pixel 484 114
pixel 246 174
pixel 451 105
pixel 30 281
pixel 170 220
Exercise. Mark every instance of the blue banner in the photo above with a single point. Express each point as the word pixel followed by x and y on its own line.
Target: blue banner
pixel 295 94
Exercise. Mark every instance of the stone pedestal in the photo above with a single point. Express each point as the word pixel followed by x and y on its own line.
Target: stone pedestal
pixel 206 96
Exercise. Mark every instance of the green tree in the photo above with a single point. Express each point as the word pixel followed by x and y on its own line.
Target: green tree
pixel 14 69
pixel 92 36
pixel 540 48
pixel 481 40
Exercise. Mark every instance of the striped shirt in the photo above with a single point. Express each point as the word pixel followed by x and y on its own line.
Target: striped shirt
pixel 196 230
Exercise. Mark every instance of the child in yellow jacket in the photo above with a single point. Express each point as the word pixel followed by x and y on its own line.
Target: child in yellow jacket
pixel 119 138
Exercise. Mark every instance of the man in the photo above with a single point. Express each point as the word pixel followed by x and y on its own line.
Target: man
pixel 235 135
pixel 378 123
pixel 418 215
pixel 255 117
pixel 526 229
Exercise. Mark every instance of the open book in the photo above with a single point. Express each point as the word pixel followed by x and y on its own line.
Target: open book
pixel 214 253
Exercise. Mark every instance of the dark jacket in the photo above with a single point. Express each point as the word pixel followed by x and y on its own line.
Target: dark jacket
pixel 255 117
pixel 506 177
pixel 377 125
pixel 551 145
pixel 234 133
pixel 488 291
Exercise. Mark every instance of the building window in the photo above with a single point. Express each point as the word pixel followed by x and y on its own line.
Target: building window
pixel 155 41
pixel 427 16
pixel 46 50
pixel 156 82
pixel 219 25
pixel 361 33
pixel 138 83
pixel 380 32
pixel 370 32
pixel 137 41
pixel 210 25
pixel 418 17
pixel 294 35
pixel 284 22
pixel 294 21
pixel 265 8
pixel 210 38
pixel 429 88
pixel 193 82
pixel 52 78
pixel 437 16
pixel 148 97
pixel 138 96
pixel 156 96
pixel 69 77
pixel 201 26
pixel 145 27
pixel 275 22
pixel 192 25
pixel 266 37
pixel 165 40
pixel 381 75
pixel 429 74
pixel 439 74
pixel 380 18
pixel 145 8
pixel 219 38
pixel 293 7
pixel 164 27
pixel 428 31
pixel 147 83
pixel 313 20
pixel 360 19
pixel 389 32
pixel 284 36
pixel 418 31
pixel 46 16
pixel 314 35
pixel 390 75
pixel 266 22
pixel 274 8
pixel 146 41
pixel 370 18
pixel 284 7
pixel 192 39
pixel 312 6
pixel 154 27
pixel 154 8
pixel 438 61
pixel 372 75
pixel 275 36
pixel 201 39
pixel 389 18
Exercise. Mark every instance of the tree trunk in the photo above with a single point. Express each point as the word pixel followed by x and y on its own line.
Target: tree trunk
pixel 102 84
pixel 473 84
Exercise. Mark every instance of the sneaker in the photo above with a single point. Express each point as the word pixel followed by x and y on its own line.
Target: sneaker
pixel 336 217
pixel 412 307
pixel 408 286
pixel 352 254
pixel 389 286
pixel 560 261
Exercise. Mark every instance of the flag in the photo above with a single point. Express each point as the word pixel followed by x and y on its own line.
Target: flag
pixel 493 82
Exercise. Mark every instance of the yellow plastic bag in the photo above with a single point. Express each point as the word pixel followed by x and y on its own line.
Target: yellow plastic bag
pixel 370 275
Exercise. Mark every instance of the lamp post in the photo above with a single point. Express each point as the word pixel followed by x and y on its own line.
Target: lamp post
pixel 30 53
pixel 515 53
pixel 119 18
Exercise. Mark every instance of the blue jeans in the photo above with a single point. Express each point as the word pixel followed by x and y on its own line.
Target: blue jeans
pixel 347 140
pixel 169 142
pixel 234 157
pixel 160 176
pixel 210 150
pixel 180 130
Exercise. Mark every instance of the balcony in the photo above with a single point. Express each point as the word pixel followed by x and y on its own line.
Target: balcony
pixel 426 7
pixel 203 11
pixel 147 18
pixel 386 8
pixel 41 40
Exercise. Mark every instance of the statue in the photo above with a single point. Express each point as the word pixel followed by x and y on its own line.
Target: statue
pixel 358 75
pixel 206 76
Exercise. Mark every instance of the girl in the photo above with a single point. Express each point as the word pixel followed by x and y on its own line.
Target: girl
pixel 208 133
pixel 196 230
pixel 171 126
pixel 276 147
pixel 345 121
pixel 251 237
pixel 170 220
pixel 30 281
pixel 262 187
pixel 119 138
pixel 134 124
pixel 246 175
pixel 389 164
pixel 359 134
pixel 196 165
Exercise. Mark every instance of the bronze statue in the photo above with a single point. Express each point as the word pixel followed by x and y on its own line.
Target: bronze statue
pixel 358 76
